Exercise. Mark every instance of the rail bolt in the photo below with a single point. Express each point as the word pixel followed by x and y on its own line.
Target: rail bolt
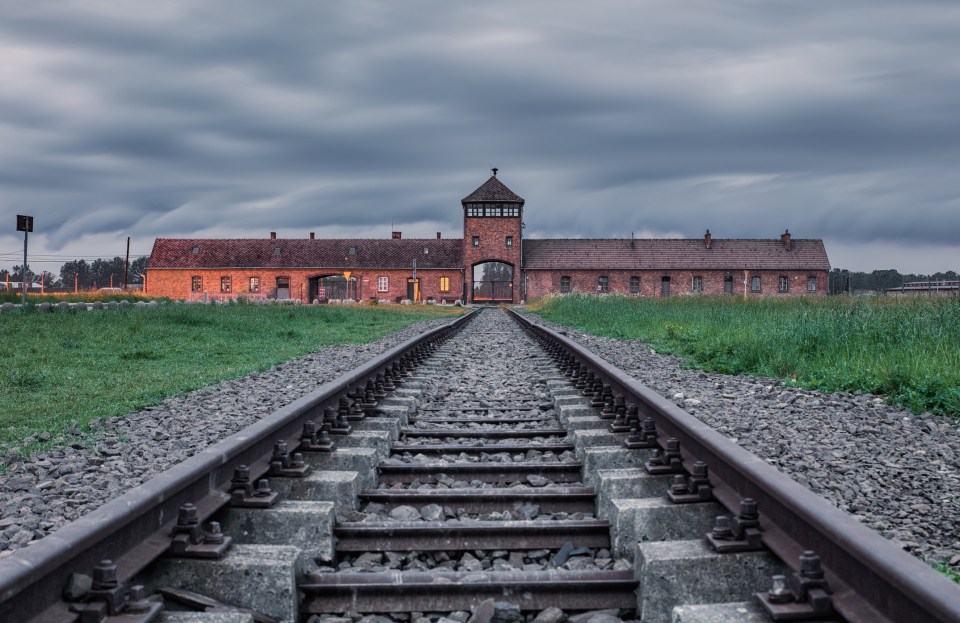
pixel 721 528
pixel 188 515
pixel 779 593
pixel 105 576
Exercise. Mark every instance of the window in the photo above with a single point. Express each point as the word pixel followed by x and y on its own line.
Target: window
pixel 226 284
pixel 254 284
pixel 444 284
pixel 811 284
pixel 509 242
pixel 383 284
pixel 277 250
pixel 426 250
pixel 196 284
pixel 564 284
pixel 783 284
pixel 755 284
pixel 352 250
pixel 603 284
pixel 476 241
pixel 195 250
pixel 474 210
pixel 511 211
pixel 698 284
pixel 634 285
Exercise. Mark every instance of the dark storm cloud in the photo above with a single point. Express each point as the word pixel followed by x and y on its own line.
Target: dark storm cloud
pixel 837 120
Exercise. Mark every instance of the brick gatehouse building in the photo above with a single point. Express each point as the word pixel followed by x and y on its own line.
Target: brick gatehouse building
pixel 491 263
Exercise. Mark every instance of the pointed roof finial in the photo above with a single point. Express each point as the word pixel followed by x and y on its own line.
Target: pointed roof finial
pixel 494 169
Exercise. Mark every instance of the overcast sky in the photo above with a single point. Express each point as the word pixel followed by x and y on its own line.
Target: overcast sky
pixel 836 119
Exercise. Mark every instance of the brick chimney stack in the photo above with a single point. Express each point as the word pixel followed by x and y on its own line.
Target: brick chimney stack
pixel 438 235
pixel 273 235
pixel 396 235
pixel 708 240
pixel 312 236
pixel 785 239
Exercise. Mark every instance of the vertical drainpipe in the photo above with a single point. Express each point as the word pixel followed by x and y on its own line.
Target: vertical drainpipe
pixel 523 272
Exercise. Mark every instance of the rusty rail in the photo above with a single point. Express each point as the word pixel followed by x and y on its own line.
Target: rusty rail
pixel 135 529
pixel 872 580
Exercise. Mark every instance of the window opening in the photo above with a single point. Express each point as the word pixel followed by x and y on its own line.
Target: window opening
pixel 564 284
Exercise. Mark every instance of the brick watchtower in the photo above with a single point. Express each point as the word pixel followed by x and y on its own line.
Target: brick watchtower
pixel 492 242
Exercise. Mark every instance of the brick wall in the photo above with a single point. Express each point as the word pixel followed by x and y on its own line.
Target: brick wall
pixel 543 282
pixel 493 232
pixel 176 284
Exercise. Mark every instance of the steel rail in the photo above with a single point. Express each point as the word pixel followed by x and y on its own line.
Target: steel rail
pixel 135 529
pixel 872 579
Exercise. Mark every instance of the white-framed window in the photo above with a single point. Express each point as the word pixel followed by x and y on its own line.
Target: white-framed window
pixel 383 284
pixel 811 284
pixel 755 284
pixel 783 283
pixel 226 284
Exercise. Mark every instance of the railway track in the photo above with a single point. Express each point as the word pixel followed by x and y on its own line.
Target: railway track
pixel 506 474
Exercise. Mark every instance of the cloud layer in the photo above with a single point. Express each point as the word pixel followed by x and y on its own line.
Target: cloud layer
pixel 835 120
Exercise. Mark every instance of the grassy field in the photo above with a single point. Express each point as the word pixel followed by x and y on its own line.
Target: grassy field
pixel 64 368
pixel 906 349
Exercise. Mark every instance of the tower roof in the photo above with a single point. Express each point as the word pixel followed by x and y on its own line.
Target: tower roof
pixel 493 190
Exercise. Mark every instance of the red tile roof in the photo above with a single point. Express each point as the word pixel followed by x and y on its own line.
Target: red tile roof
pixel 732 254
pixel 300 253
pixel 493 190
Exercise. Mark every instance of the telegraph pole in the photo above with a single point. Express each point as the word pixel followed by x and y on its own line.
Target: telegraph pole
pixel 126 264
pixel 24 224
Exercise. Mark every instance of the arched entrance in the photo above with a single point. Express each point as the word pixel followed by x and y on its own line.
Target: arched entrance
pixel 492 282
pixel 332 288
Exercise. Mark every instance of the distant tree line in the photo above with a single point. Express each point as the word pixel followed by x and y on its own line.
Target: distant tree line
pixel 100 273
pixel 854 282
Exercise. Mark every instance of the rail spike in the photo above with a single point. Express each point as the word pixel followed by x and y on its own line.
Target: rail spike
pixel 741 534
pixel 190 540
pixel 804 595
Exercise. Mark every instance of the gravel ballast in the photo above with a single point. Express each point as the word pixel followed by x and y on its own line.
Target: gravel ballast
pixel 897 472
pixel 41 493
pixel 892 470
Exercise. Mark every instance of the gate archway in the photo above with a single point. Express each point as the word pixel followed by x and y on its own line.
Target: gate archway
pixel 492 282
pixel 332 288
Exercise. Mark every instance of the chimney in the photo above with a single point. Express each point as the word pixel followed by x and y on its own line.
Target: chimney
pixel 396 235
pixel 708 240
pixel 273 235
pixel 438 235
pixel 312 236
pixel 785 239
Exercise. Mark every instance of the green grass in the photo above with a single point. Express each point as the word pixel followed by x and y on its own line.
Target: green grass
pixel 64 368
pixel 906 349
pixel 86 296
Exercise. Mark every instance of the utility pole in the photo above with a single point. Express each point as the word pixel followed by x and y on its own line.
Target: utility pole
pixel 126 264
pixel 24 224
